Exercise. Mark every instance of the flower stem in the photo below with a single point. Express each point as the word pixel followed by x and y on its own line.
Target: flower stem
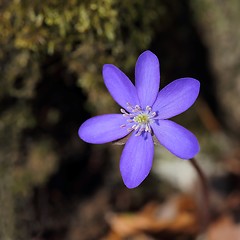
pixel 205 194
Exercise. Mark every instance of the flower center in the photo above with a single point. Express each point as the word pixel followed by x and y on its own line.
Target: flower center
pixel 138 119
pixel 141 118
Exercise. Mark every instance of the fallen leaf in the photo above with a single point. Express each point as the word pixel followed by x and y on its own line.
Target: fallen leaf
pixel 178 215
pixel 224 229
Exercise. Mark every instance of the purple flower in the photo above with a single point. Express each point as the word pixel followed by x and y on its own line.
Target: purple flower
pixel 144 115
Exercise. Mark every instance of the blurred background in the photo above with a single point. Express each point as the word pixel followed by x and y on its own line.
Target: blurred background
pixel 53 186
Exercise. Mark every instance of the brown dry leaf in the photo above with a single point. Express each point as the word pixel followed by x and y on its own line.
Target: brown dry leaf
pixel 224 229
pixel 178 215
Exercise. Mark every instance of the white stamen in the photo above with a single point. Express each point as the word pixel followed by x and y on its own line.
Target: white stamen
pixel 148 108
pixel 153 114
pixel 123 111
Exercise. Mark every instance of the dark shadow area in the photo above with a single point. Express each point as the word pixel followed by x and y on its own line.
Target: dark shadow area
pixel 181 51
pixel 59 109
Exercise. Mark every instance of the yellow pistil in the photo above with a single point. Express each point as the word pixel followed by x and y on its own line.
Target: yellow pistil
pixel 141 118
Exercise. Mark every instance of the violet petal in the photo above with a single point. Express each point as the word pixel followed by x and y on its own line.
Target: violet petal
pixel 119 86
pixel 177 139
pixel 103 129
pixel 136 159
pixel 147 78
pixel 176 97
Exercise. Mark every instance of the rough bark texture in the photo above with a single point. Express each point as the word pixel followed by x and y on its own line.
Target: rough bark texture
pixel 219 24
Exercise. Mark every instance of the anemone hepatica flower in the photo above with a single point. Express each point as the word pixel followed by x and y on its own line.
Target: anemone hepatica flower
pixel 144 116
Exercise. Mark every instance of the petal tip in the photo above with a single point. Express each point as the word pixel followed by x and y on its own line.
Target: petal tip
pixel 132 183
pixel 81 132
pixel 191 152
pixel 131 186
pixel 106 67
pixel 148 52
pixel 195 151
pixel 194 83
pixel 150 58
